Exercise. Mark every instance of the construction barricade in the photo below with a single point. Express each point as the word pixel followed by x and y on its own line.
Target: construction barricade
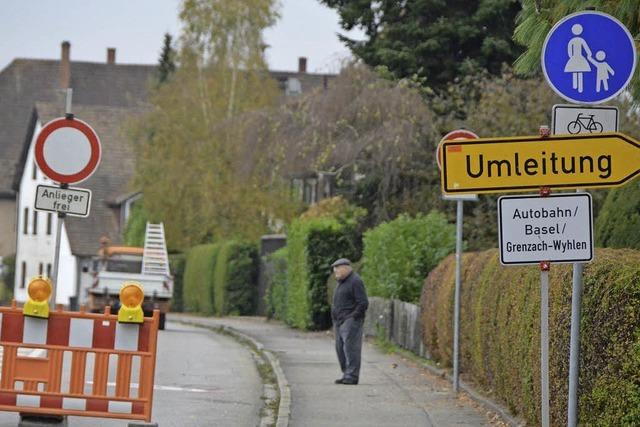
pixel 61 365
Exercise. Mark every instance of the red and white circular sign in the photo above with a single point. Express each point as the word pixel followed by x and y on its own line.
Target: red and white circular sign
pixel 67 150
pixel 453 136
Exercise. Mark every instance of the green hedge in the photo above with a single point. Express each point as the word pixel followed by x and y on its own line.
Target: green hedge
pixel 618 223
pixel 399 254
pixel 177 264
pixel 198 278
pixel 312 245
pixel 500 338
pixel 276 295
pixel 236 279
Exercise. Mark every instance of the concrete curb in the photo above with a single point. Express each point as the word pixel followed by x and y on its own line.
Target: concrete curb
pixel 284 406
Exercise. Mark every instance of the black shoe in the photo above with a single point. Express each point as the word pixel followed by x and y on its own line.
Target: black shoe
pixel 339 381
pixel 349 381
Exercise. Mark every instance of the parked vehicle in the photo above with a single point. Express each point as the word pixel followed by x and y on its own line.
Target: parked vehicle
pixel 148 266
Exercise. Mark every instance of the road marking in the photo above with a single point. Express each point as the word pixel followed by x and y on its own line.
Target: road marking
pixel 166 388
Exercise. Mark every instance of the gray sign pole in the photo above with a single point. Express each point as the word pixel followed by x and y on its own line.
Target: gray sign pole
pixel 544 342
pixel 61 216
pixel 456 307
pixel 574 347
pixel 544 132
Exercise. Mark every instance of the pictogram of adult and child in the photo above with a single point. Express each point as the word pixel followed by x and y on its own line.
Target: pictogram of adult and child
pixel 578 63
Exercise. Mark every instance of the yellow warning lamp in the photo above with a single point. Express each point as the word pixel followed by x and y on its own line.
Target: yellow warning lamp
pixel 131 297
pixel 39 291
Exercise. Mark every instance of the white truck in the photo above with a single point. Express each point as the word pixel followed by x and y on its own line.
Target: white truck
pixel 148 266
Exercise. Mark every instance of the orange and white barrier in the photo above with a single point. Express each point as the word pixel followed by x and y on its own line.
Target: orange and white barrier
pixel 40 385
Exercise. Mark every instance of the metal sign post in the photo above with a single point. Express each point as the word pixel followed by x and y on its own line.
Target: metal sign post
pixel 544 341
pixel 61 215
pixel 67 151
pixel 457 135
pixel 608 66
pixel 603 119
pixel 456 307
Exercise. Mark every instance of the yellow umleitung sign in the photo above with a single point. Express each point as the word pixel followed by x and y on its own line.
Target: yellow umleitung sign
pixel 501 165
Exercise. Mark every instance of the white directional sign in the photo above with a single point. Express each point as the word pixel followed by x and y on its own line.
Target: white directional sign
pixel 72 201
pixel 573 119
pixel 557 228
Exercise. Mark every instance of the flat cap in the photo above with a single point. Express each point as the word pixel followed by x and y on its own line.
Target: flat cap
pixel 341 261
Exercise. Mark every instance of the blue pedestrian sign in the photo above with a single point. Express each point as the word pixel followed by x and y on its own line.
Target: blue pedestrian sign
pixel 588 57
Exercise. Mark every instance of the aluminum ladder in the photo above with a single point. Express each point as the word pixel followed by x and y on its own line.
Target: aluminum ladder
pixel 155 259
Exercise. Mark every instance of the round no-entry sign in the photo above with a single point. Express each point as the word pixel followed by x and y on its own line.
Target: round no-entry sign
pixel 452 136
pixel 67 150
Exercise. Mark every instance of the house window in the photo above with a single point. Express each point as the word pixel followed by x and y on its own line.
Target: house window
pixel 49 223
pixel 35 222
pixel 40 269
pixel 293 87
pixel 48 270
pixel 26 221
pixel 23 275
pixel 34 175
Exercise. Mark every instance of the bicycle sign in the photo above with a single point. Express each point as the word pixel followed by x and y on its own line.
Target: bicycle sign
pixel 573 120
pixel 584 123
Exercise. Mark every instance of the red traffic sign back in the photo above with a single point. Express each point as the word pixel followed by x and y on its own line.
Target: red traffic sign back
pixel 67 150
pixel 452 136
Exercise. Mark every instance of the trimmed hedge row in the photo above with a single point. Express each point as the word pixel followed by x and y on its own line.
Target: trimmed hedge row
pixel 221 278
pixel 276 295
pixel 235 279
pixel 198 278
pixel 312 245
pixel 399 254
pixel 500 333
pixel 177 264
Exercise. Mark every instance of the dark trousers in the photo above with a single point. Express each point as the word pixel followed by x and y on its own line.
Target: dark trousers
pixel 349 347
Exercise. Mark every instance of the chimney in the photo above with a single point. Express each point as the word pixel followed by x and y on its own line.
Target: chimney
pixel 65 65
pixel 111 55
pixel 302 64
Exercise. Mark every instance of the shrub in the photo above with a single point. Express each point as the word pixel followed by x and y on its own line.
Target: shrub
pixel 276 295
pixel 500 333
pixel 177 263
pixel 399 254
pixel 198 278
pixel 312 245
pixel 618 223
pixel 235 279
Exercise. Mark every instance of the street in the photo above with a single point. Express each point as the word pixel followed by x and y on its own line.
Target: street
pixel 202 379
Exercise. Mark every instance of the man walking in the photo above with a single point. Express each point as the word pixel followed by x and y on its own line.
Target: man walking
pixel 347 311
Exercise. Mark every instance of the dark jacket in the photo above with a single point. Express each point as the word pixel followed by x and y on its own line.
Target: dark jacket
pixel 349 299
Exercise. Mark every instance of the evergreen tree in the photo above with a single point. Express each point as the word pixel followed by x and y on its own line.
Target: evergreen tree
pixel 432 41
pixel 166 63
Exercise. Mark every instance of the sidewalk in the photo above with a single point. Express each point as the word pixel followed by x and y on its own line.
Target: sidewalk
pixel 392 391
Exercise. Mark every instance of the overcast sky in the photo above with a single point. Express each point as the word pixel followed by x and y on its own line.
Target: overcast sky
pixel 35 29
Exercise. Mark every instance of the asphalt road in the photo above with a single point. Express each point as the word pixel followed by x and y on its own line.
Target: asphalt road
pixel 202 379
